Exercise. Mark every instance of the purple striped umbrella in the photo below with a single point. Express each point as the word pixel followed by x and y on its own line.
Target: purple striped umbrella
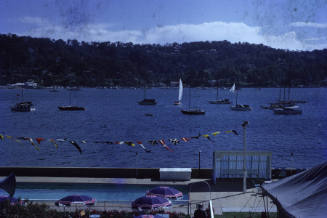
pixel 165 192
pixel 150 202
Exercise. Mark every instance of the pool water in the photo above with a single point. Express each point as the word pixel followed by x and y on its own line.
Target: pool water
pixel 101 192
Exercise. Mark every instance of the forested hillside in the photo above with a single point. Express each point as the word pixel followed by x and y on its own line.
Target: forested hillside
pixel 73 63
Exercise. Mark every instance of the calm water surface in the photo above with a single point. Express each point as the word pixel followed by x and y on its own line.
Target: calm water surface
pixel 114 115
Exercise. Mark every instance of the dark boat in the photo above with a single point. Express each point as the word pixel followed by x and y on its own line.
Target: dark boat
pixel 23 107
pixel 222 101
pixel 149 101
pixel 71 108
pixel 193 112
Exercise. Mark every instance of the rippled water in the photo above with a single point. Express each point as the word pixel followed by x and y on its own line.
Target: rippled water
pixel 114 115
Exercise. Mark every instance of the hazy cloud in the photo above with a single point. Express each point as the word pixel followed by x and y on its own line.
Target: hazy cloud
pixel 209 31
pixel 309 24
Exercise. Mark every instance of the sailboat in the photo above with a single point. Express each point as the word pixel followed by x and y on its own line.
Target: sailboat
pixel 219 101
pixel 192 111
pixel 238 107
pixel 24 106
pixel 180 93
pixel 147 101
pixel 70 107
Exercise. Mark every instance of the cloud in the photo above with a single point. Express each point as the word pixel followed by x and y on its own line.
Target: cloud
pixel 309 24
pixel 209 31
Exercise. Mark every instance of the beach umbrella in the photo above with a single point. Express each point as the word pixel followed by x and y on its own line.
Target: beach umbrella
pixel 150 202
pixel 75 199
pixel 165 192
pixel 149 216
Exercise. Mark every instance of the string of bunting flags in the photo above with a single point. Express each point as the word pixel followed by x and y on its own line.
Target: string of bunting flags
pixel 162 142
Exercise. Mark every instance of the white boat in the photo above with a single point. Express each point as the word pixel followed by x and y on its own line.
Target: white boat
pixel 238 107
pixel 180 93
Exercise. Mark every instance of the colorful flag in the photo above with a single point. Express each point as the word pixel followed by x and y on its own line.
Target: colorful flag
pixel 207 136
pixel 215 133
pixel 174 141
pixel 130 144
pixel 32 142
pixel 142 146
pixel 76 146
pixel 164 144
pixel 185 139
pixel 153 142
pixel 54 143
pixel 234 131
pixel 196 137
pixel 119 142
pixel 39 140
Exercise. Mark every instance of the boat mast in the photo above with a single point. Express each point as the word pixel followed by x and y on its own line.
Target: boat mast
pixel 236 95
pixel 217 92
pixel 189 97
pixel 70 98
pixel 22 94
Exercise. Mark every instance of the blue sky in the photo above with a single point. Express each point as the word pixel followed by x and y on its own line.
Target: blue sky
pixel 287 24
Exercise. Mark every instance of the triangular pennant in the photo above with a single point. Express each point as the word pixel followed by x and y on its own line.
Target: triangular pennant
pixel 39 140
pixel 76 146
pixel 185 139
pixel 215 133
pixel 142 146
pixel 162 142
pixel 207 136
pixel 174 141
pixel 196 137
pixel 153 142
pixel 130 144
pixel 54 143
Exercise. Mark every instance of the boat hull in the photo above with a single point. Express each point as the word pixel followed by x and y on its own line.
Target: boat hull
pixel 193 112
pixel 287 111
pixel 23 107
pixel 147 102
pixel 71 108
pixel 219 102
pixel 241 108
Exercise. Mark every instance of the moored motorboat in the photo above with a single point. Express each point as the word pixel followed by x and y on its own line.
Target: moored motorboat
pixel 241 107
pixel 193 112
pixel 222 101
pixel 71 108
pixel 26 106
pixel 148 101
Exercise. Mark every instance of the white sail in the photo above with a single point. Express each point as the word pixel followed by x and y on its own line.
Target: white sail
pixel 233 88
pixel 180 93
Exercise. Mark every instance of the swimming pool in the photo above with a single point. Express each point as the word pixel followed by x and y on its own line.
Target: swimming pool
pixel 101 192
